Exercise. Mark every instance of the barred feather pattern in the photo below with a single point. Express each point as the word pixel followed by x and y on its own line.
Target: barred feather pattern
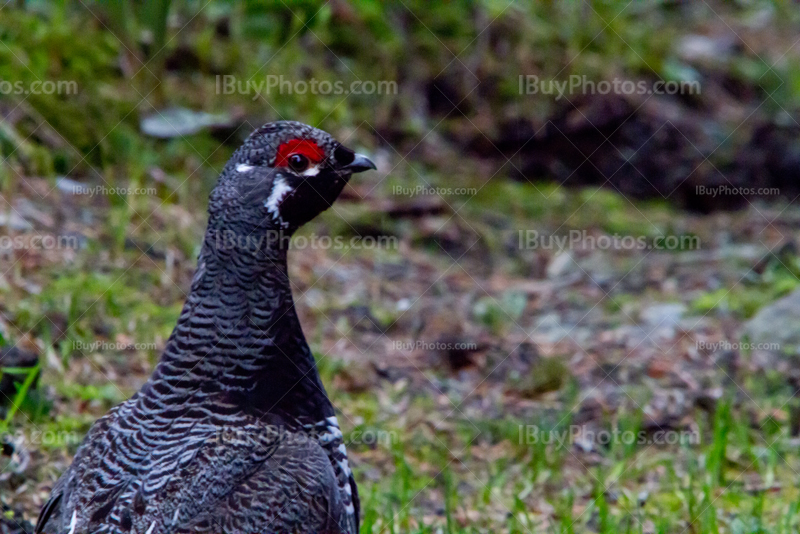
pixel 233 432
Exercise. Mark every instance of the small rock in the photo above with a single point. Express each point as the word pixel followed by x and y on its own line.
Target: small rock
pixel 599 268
pixel 177 122
pixel 562 265
pixel 19 457
pixel 776 326
pixel 71 187
pixel 550 327
pixel 704 49
pixel 663 315
pixel 14 221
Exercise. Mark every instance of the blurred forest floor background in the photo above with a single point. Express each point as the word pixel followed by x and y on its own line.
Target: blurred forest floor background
pixel 487 380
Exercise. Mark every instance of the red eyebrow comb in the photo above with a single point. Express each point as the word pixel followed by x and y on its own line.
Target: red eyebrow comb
pixel 305 147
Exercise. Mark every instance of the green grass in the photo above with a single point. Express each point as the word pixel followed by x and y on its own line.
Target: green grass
pixel 779 278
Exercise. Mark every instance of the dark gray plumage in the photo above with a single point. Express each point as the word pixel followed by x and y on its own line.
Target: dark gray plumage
pixel 233 432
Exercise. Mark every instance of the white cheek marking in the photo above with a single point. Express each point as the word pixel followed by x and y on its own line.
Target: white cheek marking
pixel 313 171
pixel 279 191
pixel 243 167
pixel 73 522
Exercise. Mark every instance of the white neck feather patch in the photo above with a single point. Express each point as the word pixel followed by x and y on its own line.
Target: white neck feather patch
pixel 279 191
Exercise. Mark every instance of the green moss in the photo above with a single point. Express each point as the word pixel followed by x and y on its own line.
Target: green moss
pixel 546 375
pixel 779 278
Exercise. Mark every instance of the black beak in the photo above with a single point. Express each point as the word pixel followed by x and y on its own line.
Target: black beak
pixel 360 163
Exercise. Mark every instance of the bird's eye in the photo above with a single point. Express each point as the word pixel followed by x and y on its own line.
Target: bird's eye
pixel 298 162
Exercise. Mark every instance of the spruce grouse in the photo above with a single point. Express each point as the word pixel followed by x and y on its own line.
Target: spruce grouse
pixel 233 433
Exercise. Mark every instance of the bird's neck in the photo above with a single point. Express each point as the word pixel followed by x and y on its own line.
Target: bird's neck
pixel 238 340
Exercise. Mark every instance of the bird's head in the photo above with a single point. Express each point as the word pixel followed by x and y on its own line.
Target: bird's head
pixel 284 175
